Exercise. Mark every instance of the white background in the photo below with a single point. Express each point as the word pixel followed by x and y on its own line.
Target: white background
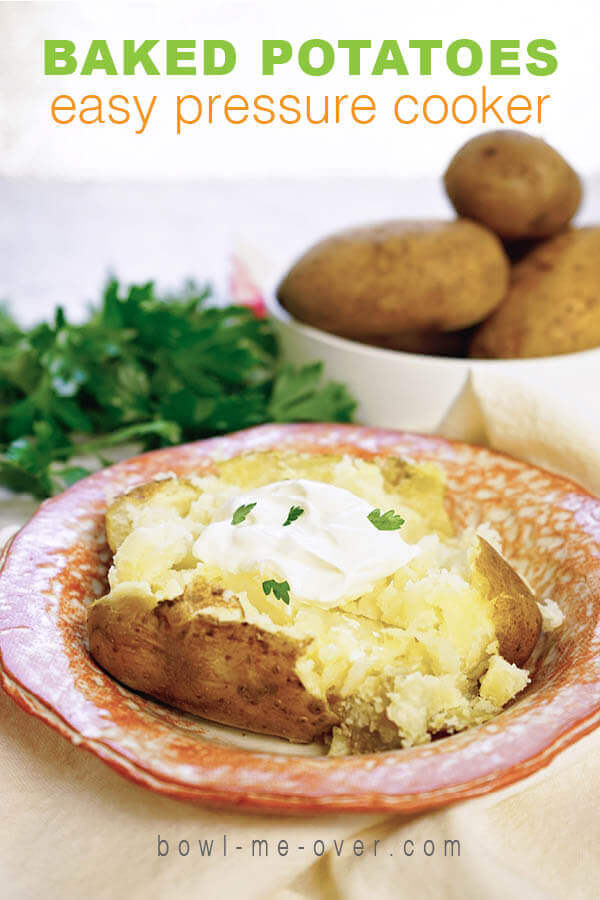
pixel 30 144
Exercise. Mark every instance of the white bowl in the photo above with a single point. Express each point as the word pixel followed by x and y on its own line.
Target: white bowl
pixel 396 389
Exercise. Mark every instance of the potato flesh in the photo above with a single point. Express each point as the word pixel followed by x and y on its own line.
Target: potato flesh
pixel 393 668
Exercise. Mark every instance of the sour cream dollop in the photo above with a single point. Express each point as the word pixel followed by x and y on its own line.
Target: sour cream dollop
pixel 330 554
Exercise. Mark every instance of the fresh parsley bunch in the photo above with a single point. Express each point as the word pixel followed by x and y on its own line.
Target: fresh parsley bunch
pixel 146 369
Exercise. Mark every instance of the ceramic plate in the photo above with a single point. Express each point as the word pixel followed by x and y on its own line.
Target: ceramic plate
pixel 57 563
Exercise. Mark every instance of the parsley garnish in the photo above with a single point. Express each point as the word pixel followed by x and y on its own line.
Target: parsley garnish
pixel 280 589
pixel 145 369
pixel 388 521
pixel 241 513
pixel 294 513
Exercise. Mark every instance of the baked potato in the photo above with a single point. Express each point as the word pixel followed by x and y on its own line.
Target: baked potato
pixel 431 648
pixel 396 277
pixel 514 183
pixel 553 304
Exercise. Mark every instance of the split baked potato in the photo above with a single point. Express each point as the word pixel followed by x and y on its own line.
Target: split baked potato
pixel 432 648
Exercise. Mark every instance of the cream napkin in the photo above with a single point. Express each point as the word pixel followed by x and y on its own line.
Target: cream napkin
pixel 552 420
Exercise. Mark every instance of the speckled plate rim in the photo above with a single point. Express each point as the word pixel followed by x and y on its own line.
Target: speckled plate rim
pixel 255 780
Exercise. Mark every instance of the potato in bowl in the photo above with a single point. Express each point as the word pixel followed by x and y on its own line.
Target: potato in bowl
pixel 313 597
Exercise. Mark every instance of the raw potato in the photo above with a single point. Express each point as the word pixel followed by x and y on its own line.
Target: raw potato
pixel 553 305
pixel 200 641
pixel 517 185
pixel 396 277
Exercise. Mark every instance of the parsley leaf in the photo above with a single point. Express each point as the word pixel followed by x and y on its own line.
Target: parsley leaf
pixel 294 513
pixel 146 369
pixel 280 589
pixel 388 521
pixel 71 474
pixel 298 395
pixel 241 513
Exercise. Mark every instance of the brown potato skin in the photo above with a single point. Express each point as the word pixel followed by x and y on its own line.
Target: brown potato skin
pixel 226 671
pixel 398 276
pixel 514 183
pixel 553 304
pixel 514 608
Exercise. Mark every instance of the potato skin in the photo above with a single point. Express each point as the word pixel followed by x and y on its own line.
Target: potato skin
pixel 514 183
pixel 226 671
pixel 396 277
pixel 553 304
pixel 515 612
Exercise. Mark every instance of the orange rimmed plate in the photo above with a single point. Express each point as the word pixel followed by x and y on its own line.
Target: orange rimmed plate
pixel 551 532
